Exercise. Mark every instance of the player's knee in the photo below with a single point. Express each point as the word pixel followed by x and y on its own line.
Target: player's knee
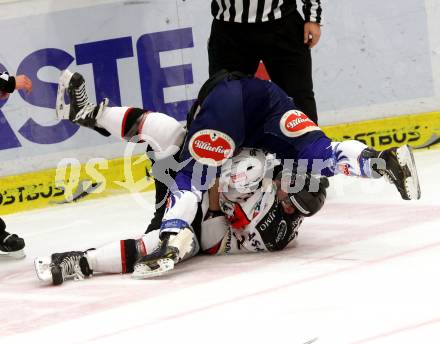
pixel 162 133
pixel 132 120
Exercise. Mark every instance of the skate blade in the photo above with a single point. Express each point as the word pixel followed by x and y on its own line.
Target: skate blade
pixel 14 255
pixel 143 271
pixel 412 185
pixel 63 109
pixel 42 268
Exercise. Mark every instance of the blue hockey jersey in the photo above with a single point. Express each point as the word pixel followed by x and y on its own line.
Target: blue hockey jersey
pixel 247 112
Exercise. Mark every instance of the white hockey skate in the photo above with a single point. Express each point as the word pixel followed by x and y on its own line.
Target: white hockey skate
pixel 79 110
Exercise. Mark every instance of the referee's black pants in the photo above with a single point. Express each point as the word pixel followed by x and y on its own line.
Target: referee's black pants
pixel 279 44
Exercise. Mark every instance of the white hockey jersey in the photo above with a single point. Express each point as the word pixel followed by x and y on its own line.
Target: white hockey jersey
pixel 253 225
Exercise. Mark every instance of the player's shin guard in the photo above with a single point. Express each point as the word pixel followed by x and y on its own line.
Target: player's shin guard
pixel 120 256
pixel 115 257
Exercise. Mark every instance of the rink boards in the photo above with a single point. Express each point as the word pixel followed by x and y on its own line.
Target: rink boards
pixel 74 182
pixel 153 55
pixel 100 177
pixel 419 131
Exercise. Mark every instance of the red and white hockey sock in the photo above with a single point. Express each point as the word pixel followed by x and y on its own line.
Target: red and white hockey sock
pixel 120 256
pixel 112 119
pixel 161 132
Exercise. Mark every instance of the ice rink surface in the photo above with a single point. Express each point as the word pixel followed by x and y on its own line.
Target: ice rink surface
pixel 365 270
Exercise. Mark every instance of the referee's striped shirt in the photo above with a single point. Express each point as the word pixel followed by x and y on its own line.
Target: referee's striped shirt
pixel 257 11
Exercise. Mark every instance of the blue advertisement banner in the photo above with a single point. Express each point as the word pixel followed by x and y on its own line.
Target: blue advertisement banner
pixel 134 55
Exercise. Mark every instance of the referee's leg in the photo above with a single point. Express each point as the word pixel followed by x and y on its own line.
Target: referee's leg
pixel 228 48
pixel 290 63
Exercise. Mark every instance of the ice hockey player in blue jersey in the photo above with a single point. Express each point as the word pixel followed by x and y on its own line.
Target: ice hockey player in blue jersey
pixel 239 111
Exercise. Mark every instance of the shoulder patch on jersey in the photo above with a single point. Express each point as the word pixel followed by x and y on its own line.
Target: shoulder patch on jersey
pixel 211 147
pixel 295 123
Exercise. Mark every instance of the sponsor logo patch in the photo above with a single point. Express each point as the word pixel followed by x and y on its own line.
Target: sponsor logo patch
pixel 211 147
pixel 281 232
pixel 295 123
pixel 266 221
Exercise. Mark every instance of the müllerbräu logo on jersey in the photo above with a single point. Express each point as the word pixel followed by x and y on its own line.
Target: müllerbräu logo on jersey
pixel 295 123
pixel 211 147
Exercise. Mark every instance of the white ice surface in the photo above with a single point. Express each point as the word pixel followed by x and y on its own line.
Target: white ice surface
pixel 366 269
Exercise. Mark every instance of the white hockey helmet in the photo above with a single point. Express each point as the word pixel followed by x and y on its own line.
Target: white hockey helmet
pixel 243 174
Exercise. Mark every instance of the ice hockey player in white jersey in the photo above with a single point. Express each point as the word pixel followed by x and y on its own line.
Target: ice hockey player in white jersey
pixel 246 211
pixel 260 214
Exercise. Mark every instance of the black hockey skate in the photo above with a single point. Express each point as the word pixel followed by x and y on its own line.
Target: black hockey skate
pixel 161 260
pixel 400 169
pixel 80 110
pixel 63 266
pixel 172 249
pixel 11 245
